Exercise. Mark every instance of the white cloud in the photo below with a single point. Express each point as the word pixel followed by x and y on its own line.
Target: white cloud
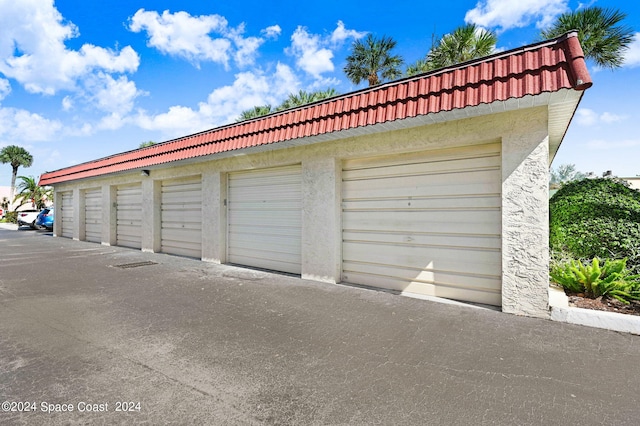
pixel 588 117
pixel 67 103
pixel 5 88
pixel 272 32
pixel 311 56
pixel 341 34
pixel 183 35
pixel 609 118
pixel 507 14
pixel 33 51
pixel 224 104
pixel 247 48
pixel 314 53
pixel 113 95
pixel 632 56
pixel 190 37
pixel 19 126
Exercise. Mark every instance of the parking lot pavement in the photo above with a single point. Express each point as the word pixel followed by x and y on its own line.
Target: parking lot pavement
pixel 95 334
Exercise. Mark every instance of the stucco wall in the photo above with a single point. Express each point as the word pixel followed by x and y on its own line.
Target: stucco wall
pixel 525 201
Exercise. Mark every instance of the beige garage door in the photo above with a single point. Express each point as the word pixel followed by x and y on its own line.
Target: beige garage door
pixel 427 223
pixel 66 214
pixel 129 216
pixel 93 215
pixel 182 217
pixel 265 218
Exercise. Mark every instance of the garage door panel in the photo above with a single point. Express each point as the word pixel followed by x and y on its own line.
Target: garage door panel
pixel 129 216
pixel 129 230
pixel 265 218
pixel 463 260
pixel 274 243
pixel 176 187
pixel 129 197
pixel 423 239
pixel 447 222
pixel 483 184
pixel 475 151
pixel 443 168
pixel 181 217
pixel 428 223
pixel 66 214
pixel 489 296
pixel 93 215
pixel 187 236
pixel 416 203
pixel 264 258
pixel 251 232
pixel 362 190
pixel 275 220
pixel 402 276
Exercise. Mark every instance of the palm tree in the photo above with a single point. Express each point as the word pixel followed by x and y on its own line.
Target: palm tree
pixel 602 39
pixel 254 112
pixel 303 98
pixel 30 192
pixel 463 44
pixel 16 156
pixel 418 67
pixel 372 60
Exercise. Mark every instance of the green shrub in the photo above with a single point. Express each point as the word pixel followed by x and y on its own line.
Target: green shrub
pixel 596 218
pixel 11 217
pixel 611 280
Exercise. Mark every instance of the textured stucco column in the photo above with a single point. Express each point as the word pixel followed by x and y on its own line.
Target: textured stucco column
pixel 214 213
pixel 151 199
pixel 76 214
pixel 109 215
pixel 82 215
pixel 321 229
pixel 57 202
pixel 525 220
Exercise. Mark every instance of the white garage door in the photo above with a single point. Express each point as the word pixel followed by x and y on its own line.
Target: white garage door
pixel 129 216
pixel 66 214
pixel 93 215
pixel 182 217
pixel 427 223
pixel 265 218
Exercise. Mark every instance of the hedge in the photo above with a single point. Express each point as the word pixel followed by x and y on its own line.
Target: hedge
pixel 596 218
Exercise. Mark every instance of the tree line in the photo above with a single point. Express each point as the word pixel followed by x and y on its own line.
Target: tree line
pixel 603 37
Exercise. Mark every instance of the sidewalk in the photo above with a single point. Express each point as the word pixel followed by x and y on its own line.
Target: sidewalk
pixel 9 226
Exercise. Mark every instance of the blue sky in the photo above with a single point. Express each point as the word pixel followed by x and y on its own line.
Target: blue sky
pixel 80 80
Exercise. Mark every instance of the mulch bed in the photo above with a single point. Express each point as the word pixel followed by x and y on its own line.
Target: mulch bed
pixel 604 304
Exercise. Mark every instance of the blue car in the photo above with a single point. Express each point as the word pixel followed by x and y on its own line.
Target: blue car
pixel 45 218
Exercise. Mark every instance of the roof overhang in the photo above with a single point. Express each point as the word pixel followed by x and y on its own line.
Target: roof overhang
pixel 551 73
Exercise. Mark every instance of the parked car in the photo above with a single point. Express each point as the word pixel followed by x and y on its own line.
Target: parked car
pixel 28 217
pixel 45 218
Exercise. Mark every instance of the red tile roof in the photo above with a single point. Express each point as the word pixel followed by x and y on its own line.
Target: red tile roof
pixel 539 68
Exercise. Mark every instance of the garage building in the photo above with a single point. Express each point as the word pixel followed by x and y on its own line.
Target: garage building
pixel 433 185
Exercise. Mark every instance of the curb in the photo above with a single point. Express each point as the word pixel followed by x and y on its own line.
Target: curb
pixel 9 226
pixel 562 312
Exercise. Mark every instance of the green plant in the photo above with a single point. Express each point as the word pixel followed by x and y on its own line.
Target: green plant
pixel 611 279
pixel 596 218
pixel 11 217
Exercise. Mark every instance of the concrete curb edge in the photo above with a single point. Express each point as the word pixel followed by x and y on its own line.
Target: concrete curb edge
pixel 562 312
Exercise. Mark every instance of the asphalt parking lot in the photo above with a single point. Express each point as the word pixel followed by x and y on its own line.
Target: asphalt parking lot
pixel 91 334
